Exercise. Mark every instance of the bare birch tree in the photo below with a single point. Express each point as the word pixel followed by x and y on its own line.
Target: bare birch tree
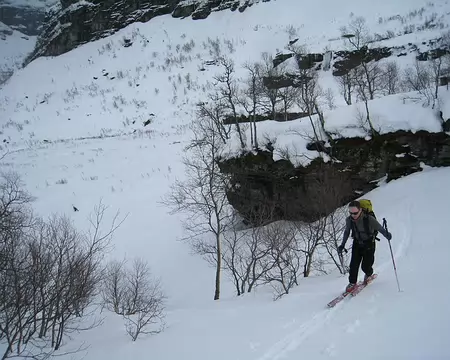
pixel 245 254
pixel 251 97
pixel 202 196
pixel 367 76
pixel 346 86
pixel 270 96
pixel 391 78
pixel 228 89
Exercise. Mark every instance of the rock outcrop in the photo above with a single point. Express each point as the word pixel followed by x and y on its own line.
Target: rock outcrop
pixel 264 188
pixel 76 22
pixel 28 20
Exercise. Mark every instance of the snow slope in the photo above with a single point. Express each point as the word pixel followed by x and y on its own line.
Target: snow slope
pixel 14 48
pixel 73 128
pixel 380 322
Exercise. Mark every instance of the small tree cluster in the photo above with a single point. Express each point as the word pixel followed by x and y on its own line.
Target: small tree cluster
pixel 280 253
pixel 251 95
pixel 49 273
pixel 371 78
pixel 132 293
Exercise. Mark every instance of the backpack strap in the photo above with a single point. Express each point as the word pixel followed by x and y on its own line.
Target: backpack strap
pixel 366 224
pixel 355 231
pixel 366 227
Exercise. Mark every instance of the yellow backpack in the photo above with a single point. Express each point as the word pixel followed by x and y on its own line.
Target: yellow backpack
pixel 366 205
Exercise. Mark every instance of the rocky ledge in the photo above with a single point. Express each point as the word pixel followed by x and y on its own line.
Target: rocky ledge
pixel 27 20
pixel 265 190
pixel 75 22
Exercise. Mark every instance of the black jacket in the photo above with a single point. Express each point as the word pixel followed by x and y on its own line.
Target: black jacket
pixel 360 232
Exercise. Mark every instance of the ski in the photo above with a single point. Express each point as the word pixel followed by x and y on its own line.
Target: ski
pixel 342 296
pixel 356 290
pixel 337 299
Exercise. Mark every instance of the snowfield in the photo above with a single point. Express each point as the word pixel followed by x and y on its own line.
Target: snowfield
pixel 14 48
pixel 73 127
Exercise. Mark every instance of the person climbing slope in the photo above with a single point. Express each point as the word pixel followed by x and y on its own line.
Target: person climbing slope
pixel 364 227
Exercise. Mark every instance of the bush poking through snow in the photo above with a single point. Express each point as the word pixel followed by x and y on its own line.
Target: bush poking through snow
pixel 50 274
pixel 132 293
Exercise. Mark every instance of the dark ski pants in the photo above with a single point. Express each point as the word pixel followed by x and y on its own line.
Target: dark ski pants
pixel 364 254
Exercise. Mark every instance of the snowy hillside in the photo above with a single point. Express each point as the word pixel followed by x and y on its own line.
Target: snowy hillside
pixel 14 48
pixel 109 120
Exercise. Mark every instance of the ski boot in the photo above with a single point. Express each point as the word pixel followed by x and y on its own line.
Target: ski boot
pixel 350 287
pixel 367 278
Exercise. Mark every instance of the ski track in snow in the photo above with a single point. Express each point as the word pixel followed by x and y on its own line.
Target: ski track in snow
pixel 294 340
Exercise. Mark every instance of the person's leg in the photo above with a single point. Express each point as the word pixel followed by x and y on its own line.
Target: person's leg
pixel 354 264
pixel 368 258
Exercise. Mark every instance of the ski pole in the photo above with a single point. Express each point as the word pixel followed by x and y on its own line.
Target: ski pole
pixel 392 255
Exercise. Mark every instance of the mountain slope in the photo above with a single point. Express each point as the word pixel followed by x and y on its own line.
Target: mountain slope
pixel 380 322
pixel 14 47
pixel 73 127
pixel 25 16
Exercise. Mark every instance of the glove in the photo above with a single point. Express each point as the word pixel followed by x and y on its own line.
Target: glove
pixel 340 249
pixel 389 236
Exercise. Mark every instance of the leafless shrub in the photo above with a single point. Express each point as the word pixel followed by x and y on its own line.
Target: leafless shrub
pixel 309 237
pixel 245 254
pixel 284 257
pixel 50 274
pixel 367 77
pixel 346 86
pixel 270 98
pixel 214 47
pixel 211 115
pixel 364 91
pixel 329 99
pixel 250 97
pixel 334 229
pixel 230 45
pixel 391 78
pixel 189 46
pixel 309 100
pixel 134 294
pixel 292 31
pixel 227 88
pixel 424 78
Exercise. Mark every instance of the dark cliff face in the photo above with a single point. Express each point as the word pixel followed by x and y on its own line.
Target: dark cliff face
pixel 27 20
pixel 73 23
pixel 284 192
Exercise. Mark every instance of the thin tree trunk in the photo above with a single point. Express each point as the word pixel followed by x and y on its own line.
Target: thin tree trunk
pixel 219 265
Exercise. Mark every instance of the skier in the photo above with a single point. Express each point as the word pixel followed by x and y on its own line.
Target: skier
pixel 364 227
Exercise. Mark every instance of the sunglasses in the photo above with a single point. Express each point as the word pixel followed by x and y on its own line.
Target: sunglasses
pixel 354 213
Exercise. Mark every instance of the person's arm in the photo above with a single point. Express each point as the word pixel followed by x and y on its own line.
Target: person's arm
pixel 375 225
pixel 346 232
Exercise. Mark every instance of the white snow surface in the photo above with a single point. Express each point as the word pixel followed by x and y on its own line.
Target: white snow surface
pixel 67 118
pixel 14 48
